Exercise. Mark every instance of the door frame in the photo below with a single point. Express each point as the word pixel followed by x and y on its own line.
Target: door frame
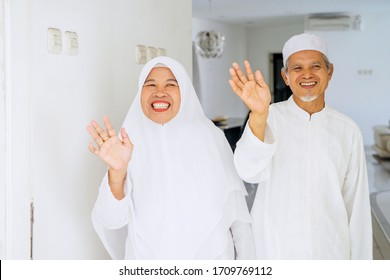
pixel 15 242
pixel 4 167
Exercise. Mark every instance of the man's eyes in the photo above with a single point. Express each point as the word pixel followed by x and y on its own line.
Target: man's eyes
pixel 299 68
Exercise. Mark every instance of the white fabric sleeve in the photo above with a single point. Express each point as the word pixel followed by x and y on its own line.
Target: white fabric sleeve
pixel 111 212
pixel 252 156
pixel 243 241
pixel 356 198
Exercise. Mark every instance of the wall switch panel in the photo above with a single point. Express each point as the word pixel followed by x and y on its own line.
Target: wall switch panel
pixel 161 52
pixel 54 40
pixel 151 52
pixel 140 54
pixel 71 43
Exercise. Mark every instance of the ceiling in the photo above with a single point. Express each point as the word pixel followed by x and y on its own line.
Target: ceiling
pixel 260 12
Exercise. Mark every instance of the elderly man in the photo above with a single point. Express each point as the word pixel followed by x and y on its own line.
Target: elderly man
pixel 312 200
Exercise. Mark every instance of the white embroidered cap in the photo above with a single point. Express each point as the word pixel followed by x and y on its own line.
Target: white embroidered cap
pixel 302 42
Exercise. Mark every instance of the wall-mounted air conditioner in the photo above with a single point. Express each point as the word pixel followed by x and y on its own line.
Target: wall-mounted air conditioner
pixel 332 22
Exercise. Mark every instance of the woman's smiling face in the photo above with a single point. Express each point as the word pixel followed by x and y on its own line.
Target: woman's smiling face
pixel 160 95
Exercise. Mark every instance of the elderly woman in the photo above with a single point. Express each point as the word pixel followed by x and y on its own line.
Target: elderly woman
pixel 171 190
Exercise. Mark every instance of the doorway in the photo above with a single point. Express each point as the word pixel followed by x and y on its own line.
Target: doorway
pixel 281 91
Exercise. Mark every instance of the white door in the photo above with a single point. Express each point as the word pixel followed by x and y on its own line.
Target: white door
pixel 52 97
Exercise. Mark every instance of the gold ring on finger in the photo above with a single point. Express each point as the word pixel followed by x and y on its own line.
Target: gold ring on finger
pixel 100 143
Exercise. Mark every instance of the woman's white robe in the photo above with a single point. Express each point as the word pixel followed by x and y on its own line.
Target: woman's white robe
pixel 184 199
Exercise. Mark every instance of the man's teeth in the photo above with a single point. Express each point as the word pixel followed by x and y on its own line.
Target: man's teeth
pixel 308 84
pixel 160 105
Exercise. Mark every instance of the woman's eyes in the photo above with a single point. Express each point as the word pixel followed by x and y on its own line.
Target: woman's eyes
pixel 167 85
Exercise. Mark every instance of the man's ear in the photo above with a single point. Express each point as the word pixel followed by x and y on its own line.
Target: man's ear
pixel 283 73
pixel 330 74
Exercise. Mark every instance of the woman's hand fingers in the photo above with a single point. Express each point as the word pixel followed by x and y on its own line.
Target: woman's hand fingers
pixel 96 137
pixel 125 139
pixel 125 136
pixel 116 153
pixel 93 149
pixel 110 130
pixel 102 133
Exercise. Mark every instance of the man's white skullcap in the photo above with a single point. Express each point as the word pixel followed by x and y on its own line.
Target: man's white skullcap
pixel 303 42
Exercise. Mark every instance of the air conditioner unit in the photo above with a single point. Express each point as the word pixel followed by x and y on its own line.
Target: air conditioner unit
pixel 332 22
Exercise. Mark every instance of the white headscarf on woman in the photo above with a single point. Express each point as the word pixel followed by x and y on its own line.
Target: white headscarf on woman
pixel 182 187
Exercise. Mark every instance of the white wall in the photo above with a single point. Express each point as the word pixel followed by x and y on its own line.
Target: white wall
pixel 365 98
pixel 266 40
pixel 53 98
pixel 211 75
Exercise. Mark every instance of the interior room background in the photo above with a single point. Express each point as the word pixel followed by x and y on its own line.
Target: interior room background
pixel 48 99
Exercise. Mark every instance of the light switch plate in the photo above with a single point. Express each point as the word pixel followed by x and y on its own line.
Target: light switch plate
pixel 140 54
pixel 71 43
pixel 161 52
pixel 151 52
pixel 54 40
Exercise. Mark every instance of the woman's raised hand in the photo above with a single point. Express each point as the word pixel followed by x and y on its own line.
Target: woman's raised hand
pixel 116 153
pixel 251 88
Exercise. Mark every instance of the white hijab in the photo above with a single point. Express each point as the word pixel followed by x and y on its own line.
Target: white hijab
pixel 181 179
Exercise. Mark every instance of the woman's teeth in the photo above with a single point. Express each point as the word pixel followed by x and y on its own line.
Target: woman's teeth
pixel 160 105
